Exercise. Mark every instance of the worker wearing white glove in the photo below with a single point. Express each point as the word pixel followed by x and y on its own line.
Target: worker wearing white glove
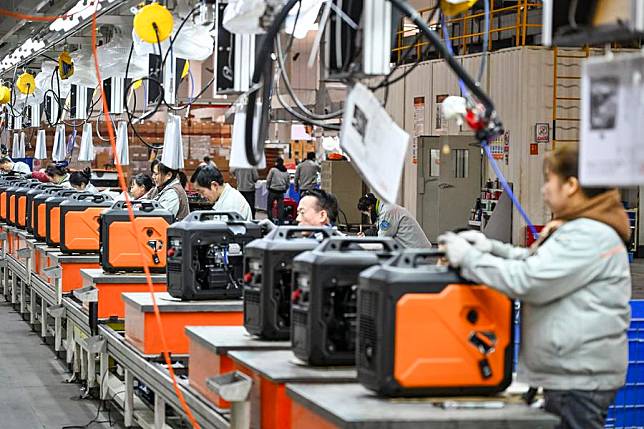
pixel 478 240
pixel 455 247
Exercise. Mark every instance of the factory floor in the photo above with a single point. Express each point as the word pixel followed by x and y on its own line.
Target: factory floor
pixel 33 391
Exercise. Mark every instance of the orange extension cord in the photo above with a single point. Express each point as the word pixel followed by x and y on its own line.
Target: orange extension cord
pixel 122 184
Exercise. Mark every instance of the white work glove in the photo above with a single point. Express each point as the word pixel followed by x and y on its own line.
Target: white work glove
pixel 455 247
pixel 478 240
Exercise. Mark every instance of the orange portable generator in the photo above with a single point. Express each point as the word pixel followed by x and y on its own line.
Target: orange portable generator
pixel 7 182
pixel 119 249
pixel 21 203
pixel 31 195
pixel 52 216
pixel 79 222
pixel 11 201
pixel 38 213
pixel 323 302
pixel 425 331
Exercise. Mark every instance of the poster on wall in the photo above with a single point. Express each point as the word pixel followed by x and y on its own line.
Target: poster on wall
pixel 610 151
pixel 542 133
pixel 419 126
pixel 440 120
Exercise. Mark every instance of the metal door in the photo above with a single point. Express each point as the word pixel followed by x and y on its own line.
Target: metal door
pixel 449 181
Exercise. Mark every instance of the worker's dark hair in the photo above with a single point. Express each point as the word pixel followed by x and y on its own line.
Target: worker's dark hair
pixel 57 169
pixel 78 178
pixel 564 162
pixel 183 179
pixel 144 180
pixel 279 164
pixel 204 175
pixel 164 170
pixel 326 201
pixel 367 201
pixel 5 159
pixel 310 156
pixel 206 159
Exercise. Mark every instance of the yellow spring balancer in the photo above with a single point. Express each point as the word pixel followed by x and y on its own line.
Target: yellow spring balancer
pixel 147 17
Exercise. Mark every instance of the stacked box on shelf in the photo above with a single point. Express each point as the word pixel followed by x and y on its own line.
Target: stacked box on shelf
pixel 628 409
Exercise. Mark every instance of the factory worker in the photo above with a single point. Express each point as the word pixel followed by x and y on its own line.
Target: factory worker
pixel 8 165
pixel 58 174
pixel 141 186
pixel 317 208
pixel 306 174
pixel 81 181
pixel 574 285
pixel 246 180
pixel 394 221
pixel 209 182
pixel 169 191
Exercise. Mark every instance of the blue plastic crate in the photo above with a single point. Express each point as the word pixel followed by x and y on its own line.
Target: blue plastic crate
pixel 628 409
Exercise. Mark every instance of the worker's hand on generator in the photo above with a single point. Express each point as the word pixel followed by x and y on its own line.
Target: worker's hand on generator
pixel 455 247
pixel 478 240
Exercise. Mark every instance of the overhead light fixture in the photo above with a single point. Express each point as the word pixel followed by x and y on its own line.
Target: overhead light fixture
pixel 79 12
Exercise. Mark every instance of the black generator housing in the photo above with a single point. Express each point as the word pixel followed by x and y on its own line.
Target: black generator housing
pixel 268 264
pixel 205 255
pixel 324 299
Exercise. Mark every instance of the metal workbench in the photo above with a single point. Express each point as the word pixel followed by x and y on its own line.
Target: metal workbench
pixel 351 406
pixel 224 339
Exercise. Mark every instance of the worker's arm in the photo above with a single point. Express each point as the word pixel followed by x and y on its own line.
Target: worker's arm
pixel 508 251
pixel 254 175
pixel 269 179
pixel 569 260
pixel 297 178
pixel 388 224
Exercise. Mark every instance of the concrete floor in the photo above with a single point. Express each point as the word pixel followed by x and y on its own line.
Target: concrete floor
pixel 33 391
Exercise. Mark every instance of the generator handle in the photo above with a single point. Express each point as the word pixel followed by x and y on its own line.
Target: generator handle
pixel 201 215
pixel 342 243
pixel 144 205
pixel 411 258
pixel 96 198
pixel 287 232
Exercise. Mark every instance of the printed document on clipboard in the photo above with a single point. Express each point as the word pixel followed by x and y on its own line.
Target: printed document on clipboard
pixel 376 144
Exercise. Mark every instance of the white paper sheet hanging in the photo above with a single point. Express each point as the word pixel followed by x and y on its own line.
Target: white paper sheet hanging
pixel 14 146
pixel 21 145
pixel 59 152
pixel 122 144
pixel 374 142
pixel 612 105
pixel 172 155
pixel 238 149
pixel 41 145
pixel 86 151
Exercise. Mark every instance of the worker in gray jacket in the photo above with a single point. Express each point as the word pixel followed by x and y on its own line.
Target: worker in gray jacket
pixel 246 180
pixel 575 285
pixel 394 221
pixel 277 183
pixel 306 174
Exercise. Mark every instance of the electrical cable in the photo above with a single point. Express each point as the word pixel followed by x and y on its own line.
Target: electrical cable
pixel 486 39
pixel 507 189
pixel 406 9
pixel 262 80
pixel 137 234
pixel 450 49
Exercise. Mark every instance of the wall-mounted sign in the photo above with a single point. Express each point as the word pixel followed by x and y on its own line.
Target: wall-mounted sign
pixel 542 133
